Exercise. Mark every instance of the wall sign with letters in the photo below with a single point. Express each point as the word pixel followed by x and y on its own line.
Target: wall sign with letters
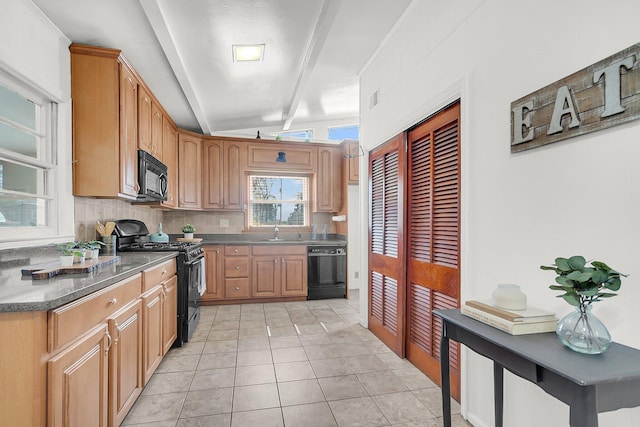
pixel 600 96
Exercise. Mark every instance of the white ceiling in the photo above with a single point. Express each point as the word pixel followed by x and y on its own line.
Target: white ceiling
pixel 182 49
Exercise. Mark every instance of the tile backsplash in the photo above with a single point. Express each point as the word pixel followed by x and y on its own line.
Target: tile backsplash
pixel 88 211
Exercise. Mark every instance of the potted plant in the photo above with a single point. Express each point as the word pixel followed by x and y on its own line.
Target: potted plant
pixel 71 253
pixel 188 231
pixel 93 248
pixel 583 284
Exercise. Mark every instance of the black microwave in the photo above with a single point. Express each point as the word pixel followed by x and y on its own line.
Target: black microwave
pixel 152 178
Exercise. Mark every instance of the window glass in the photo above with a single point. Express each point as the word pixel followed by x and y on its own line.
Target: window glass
pixel 302 134
pixel 278 200
pixel 25 165
pixel 339 133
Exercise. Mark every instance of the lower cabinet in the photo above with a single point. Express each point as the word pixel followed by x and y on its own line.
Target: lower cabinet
pixel 78 382
pixel 153 346
pixel 169 313
pixel 214 271
pixel 281 274
pixel 125 361
pixel 265 276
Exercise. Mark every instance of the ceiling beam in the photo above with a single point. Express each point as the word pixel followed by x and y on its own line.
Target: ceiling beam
pixel 158 24
pixel 321 30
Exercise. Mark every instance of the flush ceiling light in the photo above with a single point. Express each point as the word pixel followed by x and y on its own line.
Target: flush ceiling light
pixel 248 52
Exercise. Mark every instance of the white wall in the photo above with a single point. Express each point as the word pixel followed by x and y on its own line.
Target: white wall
pixel 35 54
pixel 580 196
pixel 354 219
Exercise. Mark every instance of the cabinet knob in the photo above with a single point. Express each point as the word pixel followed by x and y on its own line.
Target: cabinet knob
pixel 114 301
pixel 235 250
pixel 218 250
pixel 164 272
pixel 237 267
pixel 237 288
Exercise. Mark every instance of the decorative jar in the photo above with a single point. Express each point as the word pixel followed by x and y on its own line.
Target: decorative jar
pixel 583 332
pixel 509 297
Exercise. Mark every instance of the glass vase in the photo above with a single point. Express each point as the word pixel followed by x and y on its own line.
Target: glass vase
pixel 583 332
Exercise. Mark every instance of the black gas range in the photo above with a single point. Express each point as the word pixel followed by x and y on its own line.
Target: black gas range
pixel 133 236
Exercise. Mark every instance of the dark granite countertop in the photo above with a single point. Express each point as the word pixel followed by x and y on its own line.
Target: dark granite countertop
pixel 18 293
pixel 264 239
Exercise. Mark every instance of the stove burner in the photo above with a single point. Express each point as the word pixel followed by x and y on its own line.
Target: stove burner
pixel 168 246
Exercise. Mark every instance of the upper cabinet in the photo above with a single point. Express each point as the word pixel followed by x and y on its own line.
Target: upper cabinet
pixel 104 92
pixel 328 195
pixel 351 162
pixel 281 156
pixel 170 158
pixel 189 171
pixel 157 119
pixel 144 120
pixel 223 165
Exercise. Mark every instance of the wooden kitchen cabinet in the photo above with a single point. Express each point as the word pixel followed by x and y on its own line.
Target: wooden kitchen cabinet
pixel 223 174
pixel 263 156
pixel 160 305
pixel 170 159
pixel 157 131
pixel 352 162
pixel 328 180
pixel 104 92
pixel 144 120
pixel 125 361
pixel 78 382
pixel 189 171
pixel 279 271
pixel 236 272
pixel 214 270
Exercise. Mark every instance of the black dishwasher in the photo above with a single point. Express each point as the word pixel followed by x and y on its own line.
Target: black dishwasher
pixel 327 272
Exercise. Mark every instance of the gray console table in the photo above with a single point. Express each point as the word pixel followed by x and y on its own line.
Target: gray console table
pixel 589 384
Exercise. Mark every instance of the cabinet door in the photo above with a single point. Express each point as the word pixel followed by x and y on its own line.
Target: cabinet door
pixel 189 171
pixel 144 120
pixel 213 175
pixel 265 276
pixel 169 313
pixel 125 361
pixel 234 179
pixel 153 346
pixel 128 133
pixel 214 273
pixel 353 162
pixel 77 385
pixel 294 275
pixel 170 158
pixel 156 131
pixel 328 180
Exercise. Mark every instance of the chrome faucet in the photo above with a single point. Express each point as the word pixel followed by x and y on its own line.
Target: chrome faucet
pixel 275 232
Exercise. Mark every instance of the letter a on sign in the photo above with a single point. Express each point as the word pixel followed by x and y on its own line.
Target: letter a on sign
pixel 564 105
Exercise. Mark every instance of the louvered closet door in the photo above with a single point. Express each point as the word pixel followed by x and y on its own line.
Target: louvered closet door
pixel 386 272
pixel 433 239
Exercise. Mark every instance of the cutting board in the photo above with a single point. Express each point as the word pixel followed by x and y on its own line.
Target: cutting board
pixel 194 240
pixel 54 268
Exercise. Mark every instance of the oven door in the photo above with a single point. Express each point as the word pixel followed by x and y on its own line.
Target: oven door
pixel 194 275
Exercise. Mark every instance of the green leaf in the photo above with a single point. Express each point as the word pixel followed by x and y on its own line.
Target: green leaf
pixel 601 265
pixel 562 280
pixel 547 267
pixel 589 292
pixel 613 284
pixel 579 276
pixel 556 288
pixel 606 295
pixel 577 262
pixel 599 276
pixel 571 299
pixel 563 264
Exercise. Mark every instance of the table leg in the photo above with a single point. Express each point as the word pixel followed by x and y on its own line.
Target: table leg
pixel 582 410
pixel 444 378
pixel 498 393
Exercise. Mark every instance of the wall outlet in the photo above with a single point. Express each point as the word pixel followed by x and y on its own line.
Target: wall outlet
pixel 224 223
pixel 356 274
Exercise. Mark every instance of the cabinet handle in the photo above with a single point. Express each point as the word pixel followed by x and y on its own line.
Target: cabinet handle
pixel 109 340
pixel 235 250
pixel 164 272
pixel 113 301
pixel 237 288
pixel 275 260
pixel 283 260
pixel 218 250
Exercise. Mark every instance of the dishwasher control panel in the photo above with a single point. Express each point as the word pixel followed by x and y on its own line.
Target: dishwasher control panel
pixel 320 250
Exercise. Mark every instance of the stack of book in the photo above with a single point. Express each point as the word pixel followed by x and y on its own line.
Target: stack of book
pixel 529 321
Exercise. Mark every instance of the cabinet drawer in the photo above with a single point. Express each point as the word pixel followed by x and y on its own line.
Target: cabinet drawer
pixel 236 250
pixel 158 274
pixel 71 320
pixel 236 267
pixel 278 250
pixel 236 288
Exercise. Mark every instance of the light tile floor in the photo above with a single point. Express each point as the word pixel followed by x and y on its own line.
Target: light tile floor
pixel 300 364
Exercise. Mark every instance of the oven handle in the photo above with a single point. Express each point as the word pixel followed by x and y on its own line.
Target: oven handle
pixel 194 261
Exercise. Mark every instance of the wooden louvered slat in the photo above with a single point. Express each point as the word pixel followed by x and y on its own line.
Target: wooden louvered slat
pixel 420 317
pixel 391 304
pixel 377 296
pixel 377 206
pixel 391 204
pixel 442 302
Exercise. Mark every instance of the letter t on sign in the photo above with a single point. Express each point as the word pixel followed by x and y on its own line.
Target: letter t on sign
pixel 521 121
pixel 612 85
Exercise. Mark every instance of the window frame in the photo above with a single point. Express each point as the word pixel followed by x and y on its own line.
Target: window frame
pixel 283 227
pixel 54 184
